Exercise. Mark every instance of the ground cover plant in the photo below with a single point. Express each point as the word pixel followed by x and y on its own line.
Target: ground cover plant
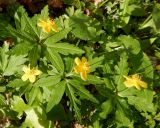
pixel 81 64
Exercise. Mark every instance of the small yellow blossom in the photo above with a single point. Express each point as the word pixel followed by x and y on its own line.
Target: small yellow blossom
pixel 47 25
pixel 158 67
pixel 135 80
pixel 82 67
pixel 30 74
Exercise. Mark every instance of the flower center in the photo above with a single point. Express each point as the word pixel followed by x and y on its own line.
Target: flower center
pixel 32 72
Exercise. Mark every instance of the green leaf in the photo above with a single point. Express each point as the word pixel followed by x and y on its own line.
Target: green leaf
pixel 147 23
pixel 94 79
pixel 48 81
pixel 132 45
pixel 35 118
pixel 121 70
pixel 122 114
pixel 20 34
pixel 143 101
pixel 135 10
pixel 96 62
pixel 56 95
pixel 69 64
pixel 2 100
pixel 19 21
pixel 30 26
pixel 45 12
pixel 57 37
pixel 57 113
pixel 33 94
pixel 76 84
pixel 143 65
pixel 17 83
pixel 4 56
pixel 18 105
pixel 34 55
pixel 106 107
pixel 14 65
pixel 2 88
pixel 82 27
pixel 66 48
pixel 55 59
pixel 156 16
pixel 21 48
pixel 74 100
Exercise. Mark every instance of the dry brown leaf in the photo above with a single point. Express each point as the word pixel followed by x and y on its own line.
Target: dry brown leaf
pixel 55 3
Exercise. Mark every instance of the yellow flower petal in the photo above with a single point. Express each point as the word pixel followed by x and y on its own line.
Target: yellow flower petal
pixel 77 61
pixel 76 69
pixel 37 72
pixel 46 29
pixel 32 79
pixel 82 67
pixel 54 29
pixel 137 86
pixel 41 23
pixel 142 84
pixel 83 75
pixel 47 25
pixel 128 83
pixel 135 80
pixel 30 74
pixel 24 77
pixel 26 69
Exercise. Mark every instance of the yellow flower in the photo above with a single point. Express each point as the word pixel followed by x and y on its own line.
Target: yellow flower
pixel 47 25
pixel 158 67
pixel 30 74
pixel 82 67
pixel 135 80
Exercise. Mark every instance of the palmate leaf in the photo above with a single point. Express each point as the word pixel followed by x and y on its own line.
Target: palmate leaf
pixel 66 48
pixel 70 93
pixel 143 101
pixel 123 115
pixel 121 70
pixel 132 45
pixel 14 65
pixel 36 118
pixel 17 83
pixel 31 27
pixel 56 37
pixel 20 34
pixel 48 81
pixel 143 65
pixel 44 12
pixel 56 96
pixel 19 105
pixel 22 48
pixel 19 21
pixel 55 59
pixel 77 85
pixel 82 27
